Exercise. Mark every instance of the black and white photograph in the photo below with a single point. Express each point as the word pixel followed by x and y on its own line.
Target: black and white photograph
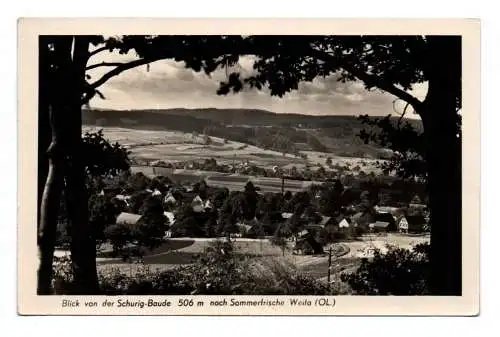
pixel 249 165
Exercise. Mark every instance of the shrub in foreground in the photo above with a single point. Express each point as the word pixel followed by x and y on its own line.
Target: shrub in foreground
pixel 218 271
pixel 397 272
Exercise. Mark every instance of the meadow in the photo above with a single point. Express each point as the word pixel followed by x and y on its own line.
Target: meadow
pixel 177 146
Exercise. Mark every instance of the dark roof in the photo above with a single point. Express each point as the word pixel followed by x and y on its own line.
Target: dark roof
pixel 415 220
pixel 381 224
pixel 357 216
pixel 325 220
pixel 309 242
pixel 363 218
pixel 384 217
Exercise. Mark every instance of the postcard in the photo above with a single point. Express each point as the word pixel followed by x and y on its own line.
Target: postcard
pixel 248 166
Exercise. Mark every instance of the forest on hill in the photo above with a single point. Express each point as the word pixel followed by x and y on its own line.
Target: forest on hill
pixel 289 133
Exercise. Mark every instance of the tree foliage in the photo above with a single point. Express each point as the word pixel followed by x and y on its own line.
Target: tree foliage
pixel 103 158
pixel 151 227
pixel 102 213
pixel 397 272
pixel 404 140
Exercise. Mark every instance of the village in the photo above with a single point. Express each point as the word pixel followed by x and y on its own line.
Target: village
pixel 138 214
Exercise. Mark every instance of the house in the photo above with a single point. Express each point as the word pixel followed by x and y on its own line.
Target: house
pixel 303 247
pixel 197 204
pixel 170 199
pixel 247 226
pixel 344 223
pixel 362 219
pixel 417 206
pixel 170 216
pixel 386 209
pixel 302 233
pixel 308 246
pixel 243 227
pixel 156 193
pixel 128 219
pixel 389 218
pixel 208 204
pixel 416 203
pixel 412 224
pixel 380 226
pixel 326 220
pixel 323 222
pixel 124 198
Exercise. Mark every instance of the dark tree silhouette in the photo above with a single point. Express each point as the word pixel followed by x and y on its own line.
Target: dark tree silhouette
pixel 102 158
pixel 64 87
pixel 251 199
pixel 406 142
pixel 102 213
pixel 153 223
pixel 392 64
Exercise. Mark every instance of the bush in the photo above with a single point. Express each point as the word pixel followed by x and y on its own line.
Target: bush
pixel 218 271
pixel 397 272
pixel 119 236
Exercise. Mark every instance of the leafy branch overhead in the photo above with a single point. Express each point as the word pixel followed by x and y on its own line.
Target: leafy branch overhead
pixel 390 63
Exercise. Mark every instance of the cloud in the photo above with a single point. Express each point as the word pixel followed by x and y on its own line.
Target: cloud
pixel 168 84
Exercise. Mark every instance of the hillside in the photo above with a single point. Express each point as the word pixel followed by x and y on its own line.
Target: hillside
pixel 289 133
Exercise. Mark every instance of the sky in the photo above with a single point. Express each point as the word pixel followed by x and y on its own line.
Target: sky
pixel 168 84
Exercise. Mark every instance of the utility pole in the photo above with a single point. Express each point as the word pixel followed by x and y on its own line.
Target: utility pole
pixel 329 265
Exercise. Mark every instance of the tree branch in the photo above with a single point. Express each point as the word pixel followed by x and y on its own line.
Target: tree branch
pixel 104 64
pixel 369 79
pixel 122 67
pixel 98 50
pixel 379 83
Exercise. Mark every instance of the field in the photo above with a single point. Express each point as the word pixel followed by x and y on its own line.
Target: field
pixel 176 146
pixel 178 252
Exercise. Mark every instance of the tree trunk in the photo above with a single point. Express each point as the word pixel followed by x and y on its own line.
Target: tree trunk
pixel 51 79
pixel 444 161
pixel 44 129
pixel 48 217
pixel 83 243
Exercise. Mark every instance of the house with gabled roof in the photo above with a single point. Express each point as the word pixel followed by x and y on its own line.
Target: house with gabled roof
pixel 208 204
pixel 170 199
pixel 344 223
pixel 197 204
pixel 412 224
